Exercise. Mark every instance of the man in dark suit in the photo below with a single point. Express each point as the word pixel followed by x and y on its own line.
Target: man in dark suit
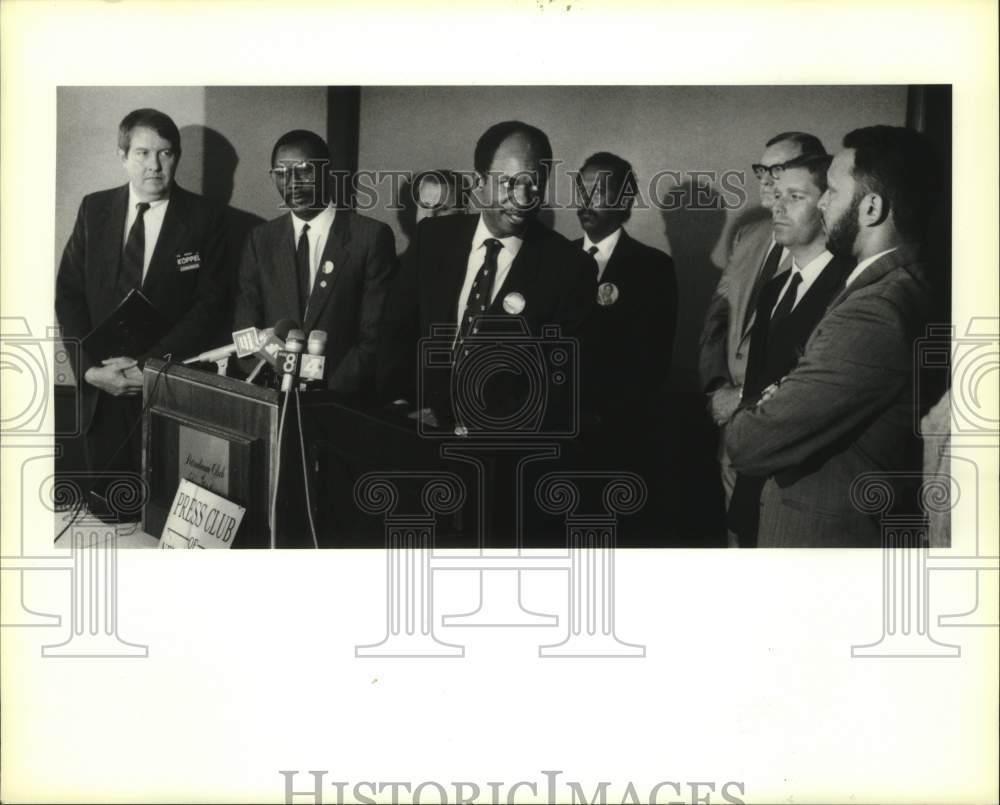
pixel 755 258
pixel 848 407
pixel 630 331
pixel 500 263
pixel 150 235
pixel 320 265
pixel 789 307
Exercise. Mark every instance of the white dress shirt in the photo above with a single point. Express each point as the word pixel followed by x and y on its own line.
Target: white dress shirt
pixel 152 224
pixel 810 273
pixel 511 246
pixel 864 264
pixel 605 248
pixel 319 229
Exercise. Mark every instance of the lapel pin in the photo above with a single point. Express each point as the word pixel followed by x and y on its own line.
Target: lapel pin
pixel 607 294
pixel 322 283
pixel 328 267
pixel 513 303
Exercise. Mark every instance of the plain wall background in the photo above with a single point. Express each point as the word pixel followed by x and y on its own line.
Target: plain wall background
pixel 656 128
pixel 227 134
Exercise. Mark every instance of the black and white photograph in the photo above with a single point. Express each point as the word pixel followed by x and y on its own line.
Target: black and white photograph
pixel 591 405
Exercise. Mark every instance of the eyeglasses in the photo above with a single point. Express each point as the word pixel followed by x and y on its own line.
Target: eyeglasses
pixel 774 171
pixel 300 171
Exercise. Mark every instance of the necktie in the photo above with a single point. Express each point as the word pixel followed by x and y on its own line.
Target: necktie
pixel 592 251
pixel 763 277
pixel 480 294
pixel 788 300
pixel 134 255
pixel 302 268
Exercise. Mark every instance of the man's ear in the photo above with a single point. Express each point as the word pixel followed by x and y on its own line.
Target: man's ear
pixel 872 210
pixel 122 155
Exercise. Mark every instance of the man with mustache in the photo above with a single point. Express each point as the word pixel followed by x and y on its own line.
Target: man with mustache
pixel 630 332
pixel 499 262
pixel 320 264
pixel 848 406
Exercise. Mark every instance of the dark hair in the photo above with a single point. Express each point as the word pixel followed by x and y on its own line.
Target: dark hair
pixel 899 165
pixel 494 136
pixel 443 176
pixel 816 164
pixel 807 143
pixel 149 119
pixel 304 137
pixel 622 174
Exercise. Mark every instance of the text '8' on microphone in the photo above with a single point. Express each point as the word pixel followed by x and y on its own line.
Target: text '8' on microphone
pixel 294 347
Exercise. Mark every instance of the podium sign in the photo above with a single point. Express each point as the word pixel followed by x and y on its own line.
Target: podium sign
pixel 200 519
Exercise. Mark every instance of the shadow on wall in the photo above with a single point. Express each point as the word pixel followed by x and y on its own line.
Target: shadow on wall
pixel 218 160
pixel 693 221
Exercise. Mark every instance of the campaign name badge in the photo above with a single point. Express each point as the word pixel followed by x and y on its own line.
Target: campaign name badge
pixel 514 303
pixel 607 293
pixel 189 261
pixel 328 267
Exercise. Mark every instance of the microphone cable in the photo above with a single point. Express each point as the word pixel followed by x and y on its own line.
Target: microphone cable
pixel 305 471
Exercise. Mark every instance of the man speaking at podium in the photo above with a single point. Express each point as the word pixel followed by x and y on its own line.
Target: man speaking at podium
pixel 149 235
pixel 319 264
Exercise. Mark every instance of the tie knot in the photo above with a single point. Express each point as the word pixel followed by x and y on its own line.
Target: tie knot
pixel 141 207
pixel 305 228
pixel 592 251
pixel 493 246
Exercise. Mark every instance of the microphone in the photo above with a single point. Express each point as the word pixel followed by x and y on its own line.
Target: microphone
pixel 269 345
pixel 244 343
pixel 314 362
pixel 294 345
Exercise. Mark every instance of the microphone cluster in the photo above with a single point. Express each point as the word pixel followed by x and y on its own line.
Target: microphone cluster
pixel 283 348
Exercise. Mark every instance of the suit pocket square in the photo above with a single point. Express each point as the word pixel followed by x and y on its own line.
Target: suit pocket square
pixel 189 261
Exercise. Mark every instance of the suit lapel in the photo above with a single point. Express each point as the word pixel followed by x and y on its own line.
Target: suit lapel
pixel 523 269
pixel 162 262
pixel 111 234
pixel 335 255
pixel 454 261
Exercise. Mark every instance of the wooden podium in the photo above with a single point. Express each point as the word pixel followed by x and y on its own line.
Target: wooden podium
pixel 222 434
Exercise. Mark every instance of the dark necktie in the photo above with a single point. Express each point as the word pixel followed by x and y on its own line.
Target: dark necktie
pixel 135 250
pixel 480 294
pixel 302 268
pixel 788 300
pixel 592 251
pixel 763 277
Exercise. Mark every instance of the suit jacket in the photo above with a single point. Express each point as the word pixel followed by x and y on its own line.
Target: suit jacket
pixel 189 299
pixel 557 282
pixel 346 303
pixel 847 408
pixel 775 350
pixel 725 340
pixel 630 342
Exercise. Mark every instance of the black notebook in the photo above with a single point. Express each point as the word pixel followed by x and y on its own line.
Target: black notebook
pixel 132 328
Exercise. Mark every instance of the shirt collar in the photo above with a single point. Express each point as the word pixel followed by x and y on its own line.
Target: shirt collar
pixel 133 199
pixel 605 246
pixel 864 264
pixel 511 243
pixel 321 223
pixel 814 267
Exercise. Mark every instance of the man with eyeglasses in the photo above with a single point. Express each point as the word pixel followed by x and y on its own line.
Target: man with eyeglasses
pixel 848 409
pixel 155 237
pixel 499 262
pixel 321 265
pixel 755 258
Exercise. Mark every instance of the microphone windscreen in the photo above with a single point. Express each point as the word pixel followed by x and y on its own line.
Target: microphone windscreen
pixel 317 342
pixel 296 341
pixel 283 327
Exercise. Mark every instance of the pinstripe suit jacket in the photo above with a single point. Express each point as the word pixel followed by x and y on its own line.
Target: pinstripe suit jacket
pixel 847 408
